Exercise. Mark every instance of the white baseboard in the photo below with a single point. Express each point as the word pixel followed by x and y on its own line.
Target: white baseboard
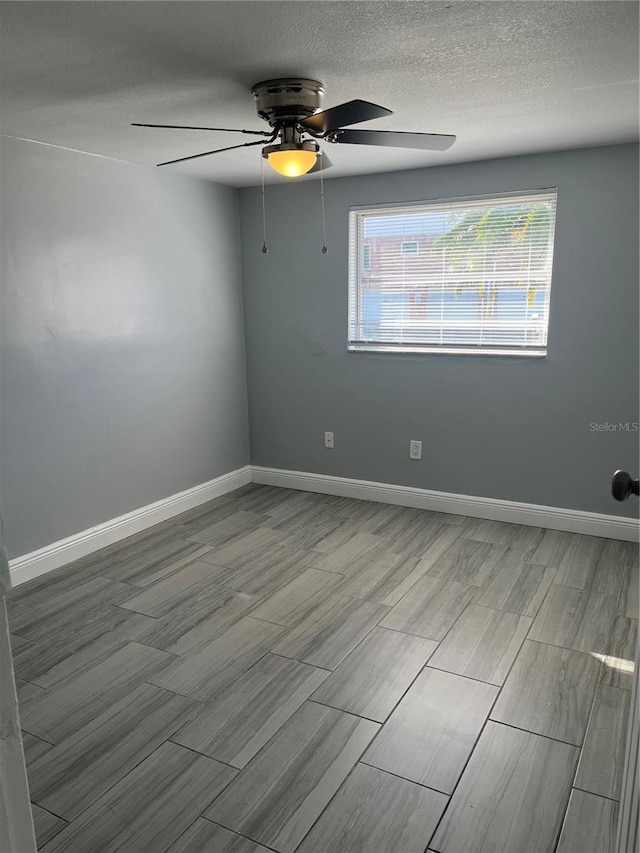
pixel 81 544
pixel 86 542
pixel 555 518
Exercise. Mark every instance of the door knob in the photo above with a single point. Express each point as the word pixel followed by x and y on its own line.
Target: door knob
pixel 623 485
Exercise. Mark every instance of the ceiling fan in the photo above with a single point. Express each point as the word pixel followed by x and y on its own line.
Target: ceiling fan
pixel 291 106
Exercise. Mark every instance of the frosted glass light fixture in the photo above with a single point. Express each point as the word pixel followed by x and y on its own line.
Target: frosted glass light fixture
pixel 292 159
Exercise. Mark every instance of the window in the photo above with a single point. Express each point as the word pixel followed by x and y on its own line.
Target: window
pixel 480 283
pixel 409 247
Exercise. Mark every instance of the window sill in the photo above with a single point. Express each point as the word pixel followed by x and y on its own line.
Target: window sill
pixel 477 351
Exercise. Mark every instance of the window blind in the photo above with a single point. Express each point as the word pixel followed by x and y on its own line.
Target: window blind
pixel 463 276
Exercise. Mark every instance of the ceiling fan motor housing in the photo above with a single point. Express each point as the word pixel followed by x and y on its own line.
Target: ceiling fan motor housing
pixel 288 99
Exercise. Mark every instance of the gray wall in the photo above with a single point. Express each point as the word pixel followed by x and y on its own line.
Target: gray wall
pixel 122 352
pixel 511 428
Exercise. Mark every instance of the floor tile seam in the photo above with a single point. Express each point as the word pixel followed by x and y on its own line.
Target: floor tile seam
pixel 53 814
pixel 503 610
pixel 404 778
pixel 593 794
pixel 235 832
pixel 577 746
pixel 39 737
pixel 202 754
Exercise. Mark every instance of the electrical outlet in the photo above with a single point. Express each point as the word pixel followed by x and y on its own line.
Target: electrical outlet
pixel 328 440
pixel 415 449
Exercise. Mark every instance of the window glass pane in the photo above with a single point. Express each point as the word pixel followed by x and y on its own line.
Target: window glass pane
pixel 472 274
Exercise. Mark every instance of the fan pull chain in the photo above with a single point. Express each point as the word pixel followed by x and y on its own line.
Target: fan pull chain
pixel 324 230
pixel 265 248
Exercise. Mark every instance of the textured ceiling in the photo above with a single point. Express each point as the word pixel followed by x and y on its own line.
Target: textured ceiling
pixel 506 77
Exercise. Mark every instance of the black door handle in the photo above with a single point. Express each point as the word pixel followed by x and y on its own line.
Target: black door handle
pixel 623 485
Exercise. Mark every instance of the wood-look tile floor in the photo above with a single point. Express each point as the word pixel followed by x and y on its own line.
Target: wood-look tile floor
pixel 286 671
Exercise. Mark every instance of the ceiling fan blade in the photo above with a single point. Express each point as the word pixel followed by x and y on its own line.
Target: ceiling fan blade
pixel 322 164
pixel 396 139
pixel 187 127
pixel 351 112
pixel 215 151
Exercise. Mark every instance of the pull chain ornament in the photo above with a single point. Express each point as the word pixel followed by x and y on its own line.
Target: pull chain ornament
pixel 265 248
pixel 324 230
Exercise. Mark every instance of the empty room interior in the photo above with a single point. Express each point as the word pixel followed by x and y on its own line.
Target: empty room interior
pixel 319 389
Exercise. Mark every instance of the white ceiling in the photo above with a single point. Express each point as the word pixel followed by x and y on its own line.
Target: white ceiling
pixel 506 77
